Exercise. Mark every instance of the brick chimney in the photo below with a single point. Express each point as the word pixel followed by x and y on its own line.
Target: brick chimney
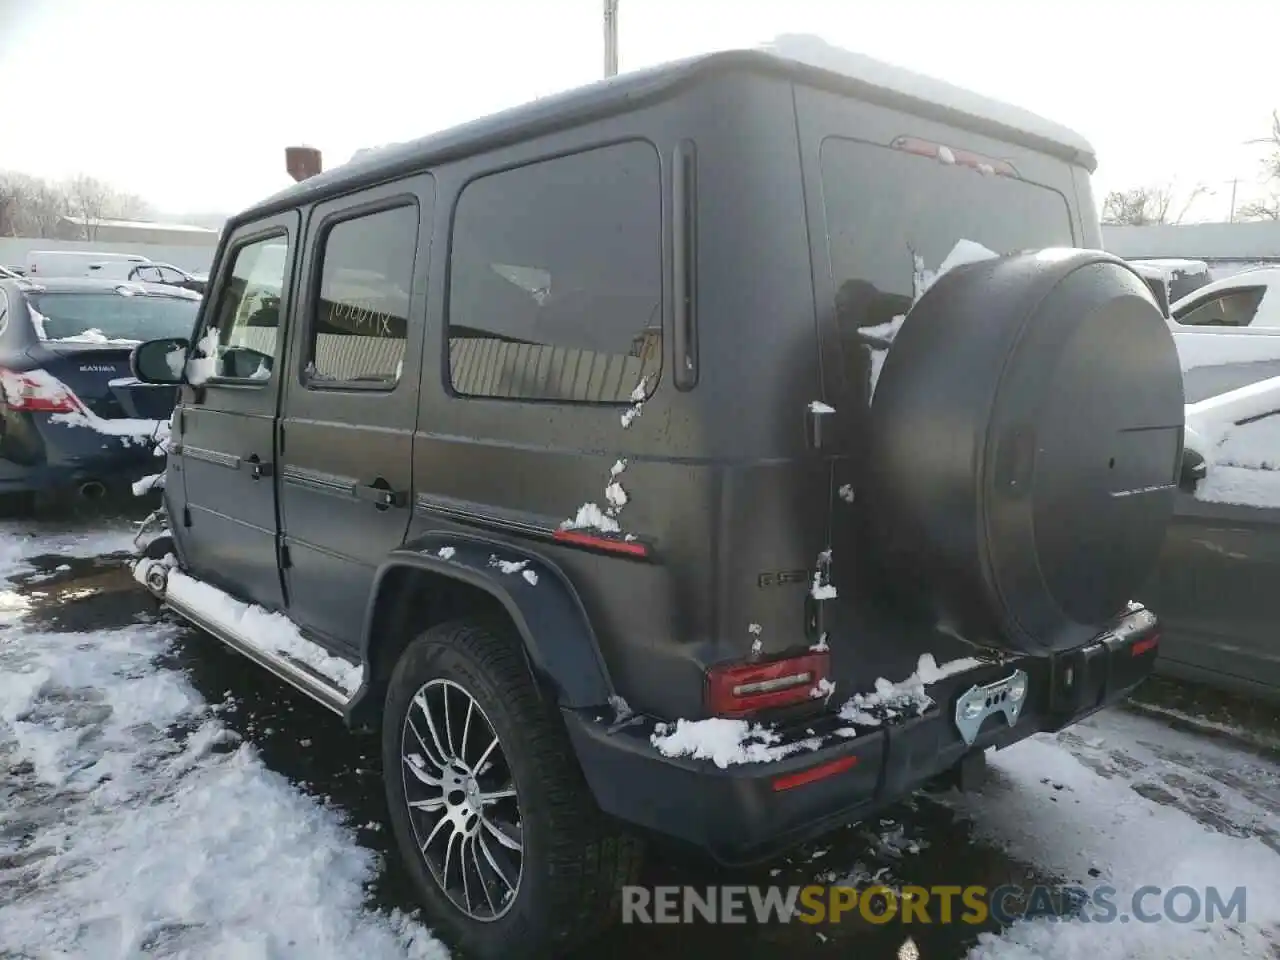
pixel 302 162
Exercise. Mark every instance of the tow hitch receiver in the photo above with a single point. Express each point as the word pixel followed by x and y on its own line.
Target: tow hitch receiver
pixel 1002 696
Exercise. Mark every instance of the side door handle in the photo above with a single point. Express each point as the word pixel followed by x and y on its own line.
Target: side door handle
pixel 257 468
pixel 381 496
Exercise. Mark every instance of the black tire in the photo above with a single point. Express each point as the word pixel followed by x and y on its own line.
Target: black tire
pixel 575 859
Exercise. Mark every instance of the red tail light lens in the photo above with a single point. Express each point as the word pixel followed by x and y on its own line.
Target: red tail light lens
pixel 36 391
pixel 1145 645
pixel 736 690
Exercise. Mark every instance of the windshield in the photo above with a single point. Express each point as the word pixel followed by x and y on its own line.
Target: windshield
pixel 104 317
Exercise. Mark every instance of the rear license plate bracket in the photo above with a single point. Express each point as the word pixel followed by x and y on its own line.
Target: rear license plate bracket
pixel 999 697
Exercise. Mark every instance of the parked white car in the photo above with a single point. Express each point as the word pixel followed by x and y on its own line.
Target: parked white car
pixel 82 263
pixel 1228 333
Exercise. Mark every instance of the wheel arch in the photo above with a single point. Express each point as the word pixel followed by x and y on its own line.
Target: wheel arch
pixel 441 576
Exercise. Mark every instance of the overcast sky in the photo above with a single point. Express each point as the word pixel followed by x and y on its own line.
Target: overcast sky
pixel 190 102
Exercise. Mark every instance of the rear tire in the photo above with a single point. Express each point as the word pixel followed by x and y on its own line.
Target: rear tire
pixel 565 879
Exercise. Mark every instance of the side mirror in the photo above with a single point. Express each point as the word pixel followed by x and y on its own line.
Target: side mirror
pixel 1194 469
pixel 160 361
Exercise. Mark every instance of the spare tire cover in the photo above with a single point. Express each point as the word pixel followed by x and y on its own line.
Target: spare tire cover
pixel 1024 445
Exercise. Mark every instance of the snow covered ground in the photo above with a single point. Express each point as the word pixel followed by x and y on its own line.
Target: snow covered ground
pixel 160 797
pixel 133 822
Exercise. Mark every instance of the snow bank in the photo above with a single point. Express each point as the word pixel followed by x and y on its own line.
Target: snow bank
pixel 94 335
pixel 200 368
pixel 888 700
pixel 814 51
pixel 591 517
pixel 1104 831
pixel 724 742
pixel 124 838
pixel 1242 459
pixel 1164 268
pixel 269 630
pixel 144 486
pixel 19 545
pixel 141 433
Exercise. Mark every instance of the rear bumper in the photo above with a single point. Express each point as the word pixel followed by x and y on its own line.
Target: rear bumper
pixel 15 478
pixel 39 454
pixel 743 813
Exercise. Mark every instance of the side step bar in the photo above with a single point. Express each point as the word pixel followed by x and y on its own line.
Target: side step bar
pixel 292 671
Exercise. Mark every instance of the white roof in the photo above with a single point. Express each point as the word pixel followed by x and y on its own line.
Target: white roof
pixel 816 52
pixel 138 225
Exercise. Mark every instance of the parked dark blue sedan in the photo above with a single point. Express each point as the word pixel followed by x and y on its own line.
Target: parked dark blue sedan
pixel 72 418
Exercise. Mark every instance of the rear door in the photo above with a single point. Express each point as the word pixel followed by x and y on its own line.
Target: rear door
pixel 351 405
pixel 889 197
pixel 227 425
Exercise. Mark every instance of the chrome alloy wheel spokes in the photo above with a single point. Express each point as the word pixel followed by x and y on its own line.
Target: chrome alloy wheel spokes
pixel 462 800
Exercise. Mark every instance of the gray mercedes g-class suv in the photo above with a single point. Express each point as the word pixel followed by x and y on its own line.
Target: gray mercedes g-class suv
pixel 721 451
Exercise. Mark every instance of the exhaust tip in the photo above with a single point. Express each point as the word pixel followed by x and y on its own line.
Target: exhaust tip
pixel 92 490
pixel 157 579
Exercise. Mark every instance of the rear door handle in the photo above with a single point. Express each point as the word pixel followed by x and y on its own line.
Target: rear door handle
pixel 381 497
pixel 257 468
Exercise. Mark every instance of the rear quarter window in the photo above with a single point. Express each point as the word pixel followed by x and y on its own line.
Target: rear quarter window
pixel 555 279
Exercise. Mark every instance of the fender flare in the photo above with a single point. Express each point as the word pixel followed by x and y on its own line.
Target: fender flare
pixel 558 639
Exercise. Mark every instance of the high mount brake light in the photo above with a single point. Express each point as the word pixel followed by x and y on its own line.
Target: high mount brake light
pixel 736 690
pixel 36 392
pixel 961 158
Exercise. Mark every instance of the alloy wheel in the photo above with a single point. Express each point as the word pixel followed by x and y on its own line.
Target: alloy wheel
pixel 462 800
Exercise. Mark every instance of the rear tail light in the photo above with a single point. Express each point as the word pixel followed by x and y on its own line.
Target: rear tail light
pixel 1145 645
pixel 36 391
pixel 735 690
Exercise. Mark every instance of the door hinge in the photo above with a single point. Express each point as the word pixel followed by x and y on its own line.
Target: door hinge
pixel 286 561
pixel 186 516
pixel 182 421
pixel 282 438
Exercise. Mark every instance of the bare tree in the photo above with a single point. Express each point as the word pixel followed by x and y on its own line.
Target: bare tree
pixel 1269 207
pixel 1138 206
pixel 130 206
pixel 1196 192
pixel 35 207
pixel 32 207
pixel 91 200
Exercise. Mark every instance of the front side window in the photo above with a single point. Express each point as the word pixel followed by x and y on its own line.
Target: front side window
pixel 1239 308
pixel 360 325
pixel 240 342
pixel 555 279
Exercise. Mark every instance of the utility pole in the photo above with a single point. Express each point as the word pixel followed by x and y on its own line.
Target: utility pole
pixel 1232 218
pixel 610 38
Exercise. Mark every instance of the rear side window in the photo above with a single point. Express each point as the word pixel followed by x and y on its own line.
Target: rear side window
pixel 359 332
pixel 890 213
pixel 555 279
